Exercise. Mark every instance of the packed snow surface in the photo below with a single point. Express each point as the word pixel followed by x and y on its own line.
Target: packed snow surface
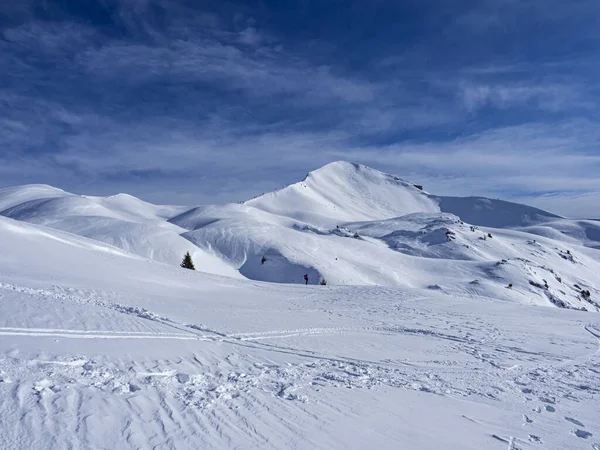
pixel 445 323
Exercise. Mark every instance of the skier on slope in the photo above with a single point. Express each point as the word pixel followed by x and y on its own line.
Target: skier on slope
pixel 306 278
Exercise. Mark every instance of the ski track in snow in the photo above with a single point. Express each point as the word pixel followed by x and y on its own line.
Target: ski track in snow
pixel 51 393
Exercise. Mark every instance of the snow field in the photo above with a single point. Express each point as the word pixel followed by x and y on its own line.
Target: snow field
pixel 417 341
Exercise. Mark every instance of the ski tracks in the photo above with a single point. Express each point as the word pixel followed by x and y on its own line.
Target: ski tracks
pixel 84 334
pixel 195 400
pixel 190 331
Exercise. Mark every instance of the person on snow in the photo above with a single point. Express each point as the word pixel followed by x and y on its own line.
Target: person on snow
pixel 306 278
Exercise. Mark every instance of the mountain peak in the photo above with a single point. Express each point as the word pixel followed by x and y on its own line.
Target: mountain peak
pixel 339 165
pixel 341 192
pixel 348 168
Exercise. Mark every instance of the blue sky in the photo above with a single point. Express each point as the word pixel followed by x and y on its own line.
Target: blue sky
pixel 182 101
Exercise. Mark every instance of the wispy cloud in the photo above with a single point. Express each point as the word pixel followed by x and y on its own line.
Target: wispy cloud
pixel 551 97
pixel 222 102
pixel 506 162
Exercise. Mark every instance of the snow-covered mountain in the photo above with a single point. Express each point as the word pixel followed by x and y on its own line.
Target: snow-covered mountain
pixel 344 192
pixel 120 220
pixel 100 348
pixel 428 335
pixel 350 225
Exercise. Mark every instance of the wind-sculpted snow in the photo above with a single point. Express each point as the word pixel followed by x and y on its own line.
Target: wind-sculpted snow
pixel 18 195
pixel 585 232
pixel 344 192
pixel 494 213
pixel 121 221
pixel 427 235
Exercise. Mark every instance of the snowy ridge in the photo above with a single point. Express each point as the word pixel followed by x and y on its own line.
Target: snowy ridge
pixel 120 220
pixel 343 192
pixel 17 195
pixel 350 225
pixel 494 213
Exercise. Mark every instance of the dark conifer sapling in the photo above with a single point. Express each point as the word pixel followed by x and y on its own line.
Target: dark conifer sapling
pixel 187 262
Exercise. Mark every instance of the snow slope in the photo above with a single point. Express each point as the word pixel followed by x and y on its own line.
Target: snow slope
pixel 120 220
pixel 102 349
pixel 394 245
pixel 488 212
pixel 14 196
pixel 418 250
pixel 586 232
pixel 350 225
pixel 344 192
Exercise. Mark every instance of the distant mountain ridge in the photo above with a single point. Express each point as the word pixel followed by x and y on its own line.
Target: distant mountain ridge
pixel 348 224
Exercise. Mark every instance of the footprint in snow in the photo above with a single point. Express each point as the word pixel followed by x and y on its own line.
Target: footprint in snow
pixel 574 421
pixel 582 434
pixel 182 378
pixel 550 408
pixel 534 438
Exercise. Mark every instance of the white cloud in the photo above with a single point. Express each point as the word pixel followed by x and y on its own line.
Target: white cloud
pixel 530 158
pixel 104 121
pixel 209 60
pixel 549 97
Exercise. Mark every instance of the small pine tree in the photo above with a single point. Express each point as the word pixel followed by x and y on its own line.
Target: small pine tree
pixel 323 282
pixel 187 262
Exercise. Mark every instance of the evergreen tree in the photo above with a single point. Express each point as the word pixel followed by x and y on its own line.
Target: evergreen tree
pixel 187 262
